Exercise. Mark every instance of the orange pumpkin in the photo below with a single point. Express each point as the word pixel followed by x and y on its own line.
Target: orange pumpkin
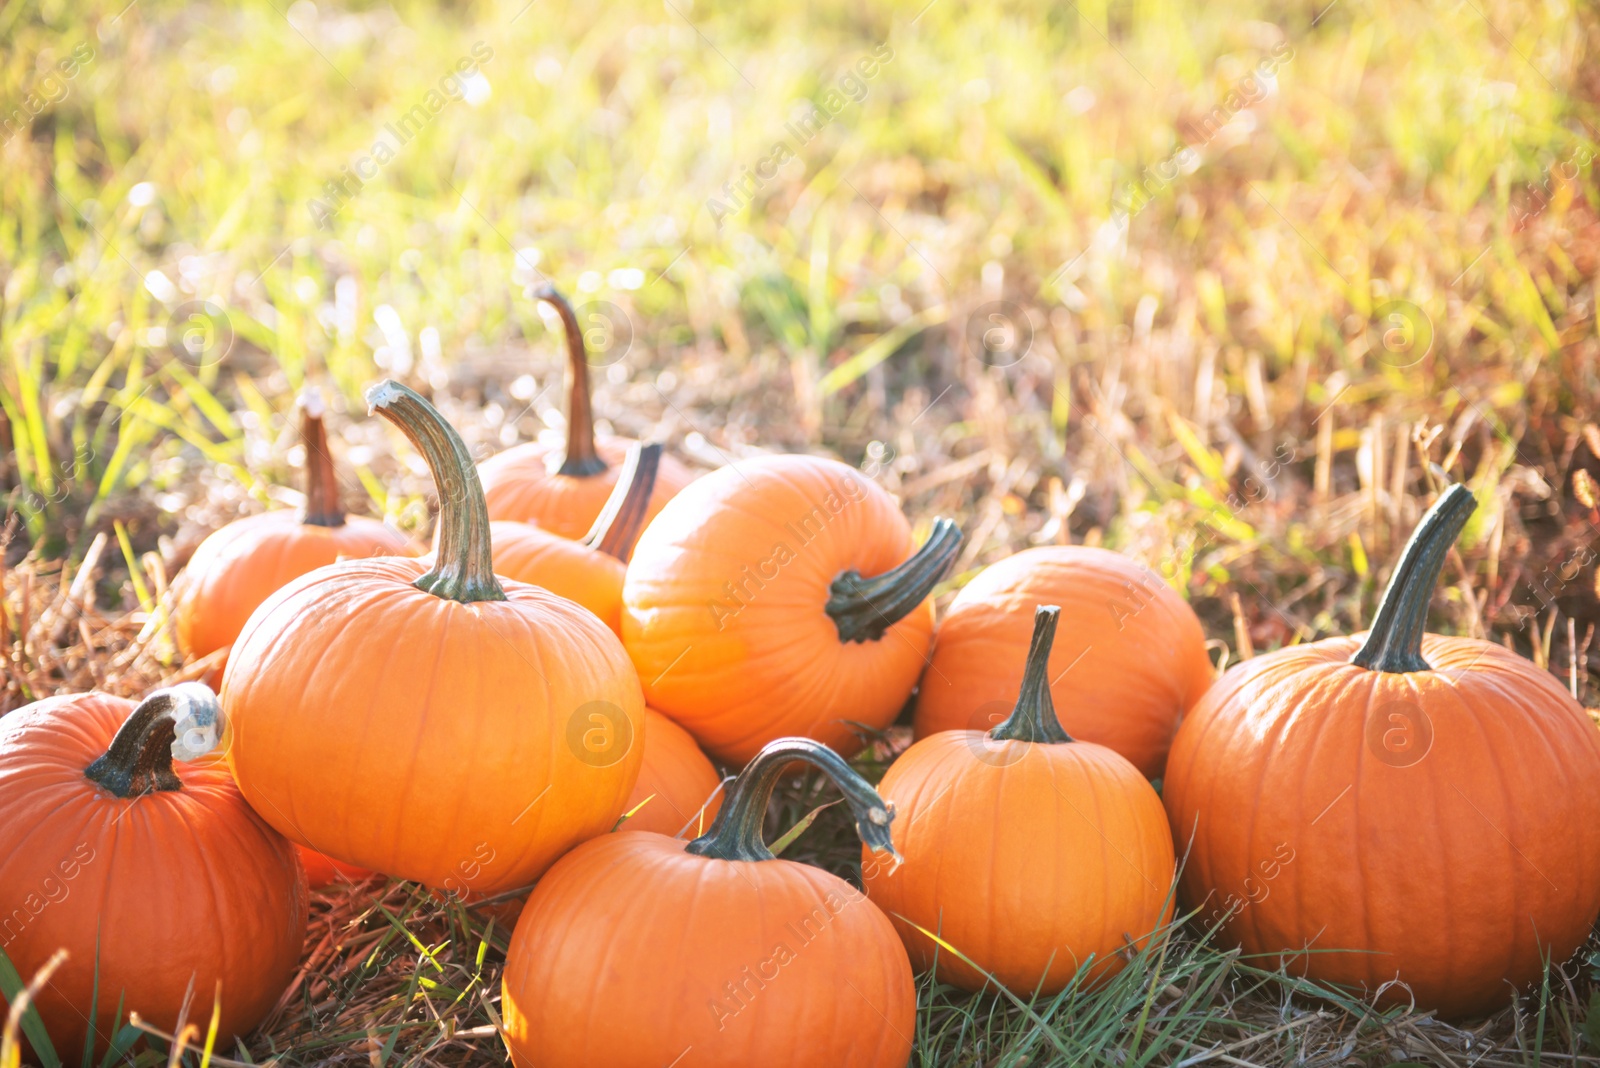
pixel 157 872
pixel 1127 666
pixel 1035 856
pixel 1412 807
pixel 431 723
pixel 589 571
pixel 780 596
pixel 711 952
pixel 677 787
pixel 563 491
pixel 237 567
pixel 324 871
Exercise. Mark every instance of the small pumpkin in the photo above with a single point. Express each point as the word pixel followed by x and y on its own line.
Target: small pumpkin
pixel 781 596
pixel 564 490
pixel 242 564
pixel 589 571
pixel 1030 853
pixel 677 787
pixel 1130 662
pixel 711 952
pixel 428 721
pixel 1412 807
pixel 151 873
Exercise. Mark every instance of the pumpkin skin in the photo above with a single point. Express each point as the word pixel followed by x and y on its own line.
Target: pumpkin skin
pixel 726 605
pixel 357 683
pixel 1439 818
pixel 590 571
pixel 1129 662
pixel 709 961
pixel 324 871
pixel 564 489
pixel 675 782
pixel 193 878
pixel 1027 856
pixel 243 563
pixel 521 487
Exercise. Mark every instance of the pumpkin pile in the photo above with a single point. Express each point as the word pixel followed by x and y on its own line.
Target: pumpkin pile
pixel 532 710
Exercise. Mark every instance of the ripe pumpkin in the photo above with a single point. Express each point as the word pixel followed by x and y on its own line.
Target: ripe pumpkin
pixel 564 491
pixel 242 564
pixel 429 722
pixel 1127 666
pixel 191 880
pixel 677 787
pixel 711 952
pixel 1413 807
pixel 1030 853
pixel 781 596
pixel 589 571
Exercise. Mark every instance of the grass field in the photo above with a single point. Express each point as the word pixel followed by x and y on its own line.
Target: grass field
pixel 1230 287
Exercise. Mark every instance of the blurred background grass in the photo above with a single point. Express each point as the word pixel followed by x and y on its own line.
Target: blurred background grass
pixel 1230 286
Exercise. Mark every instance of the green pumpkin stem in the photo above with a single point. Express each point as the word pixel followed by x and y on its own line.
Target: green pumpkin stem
pixel 736 832
pixel 581 460
pixel 1033 719
pixel 323 505
pixel 463 569
pixel 182 721
pixel 618 526
pixel 1394 643
pixel 863 609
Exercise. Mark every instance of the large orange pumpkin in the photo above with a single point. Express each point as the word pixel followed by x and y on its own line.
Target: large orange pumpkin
pixel 433 723
pixel 564 490
pixel 781 596
pixel 158 873
pixel 1128 663
pixel 1037 857
pixel 590 571
pixel 1411 807
pixel 242 564
pixel 638 949
pixel 677 787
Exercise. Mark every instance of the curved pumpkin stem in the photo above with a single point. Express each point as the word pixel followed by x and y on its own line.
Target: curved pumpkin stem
pixel 323 506
pixel 1034 717
pixel 863 609
pixel 1394 643
pixel 182 722
pixel 736 832
pixel 581 459
pixel 463 570
pixel 618 526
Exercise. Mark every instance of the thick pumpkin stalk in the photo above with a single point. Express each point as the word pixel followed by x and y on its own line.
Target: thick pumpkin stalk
pixel 1394 643
pixel 581 460
pixel 323 506
pixel 463 569
pixel 863 609
pixel 736 832
pixel 182 722
pixel 1033 719
pixel 617 528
